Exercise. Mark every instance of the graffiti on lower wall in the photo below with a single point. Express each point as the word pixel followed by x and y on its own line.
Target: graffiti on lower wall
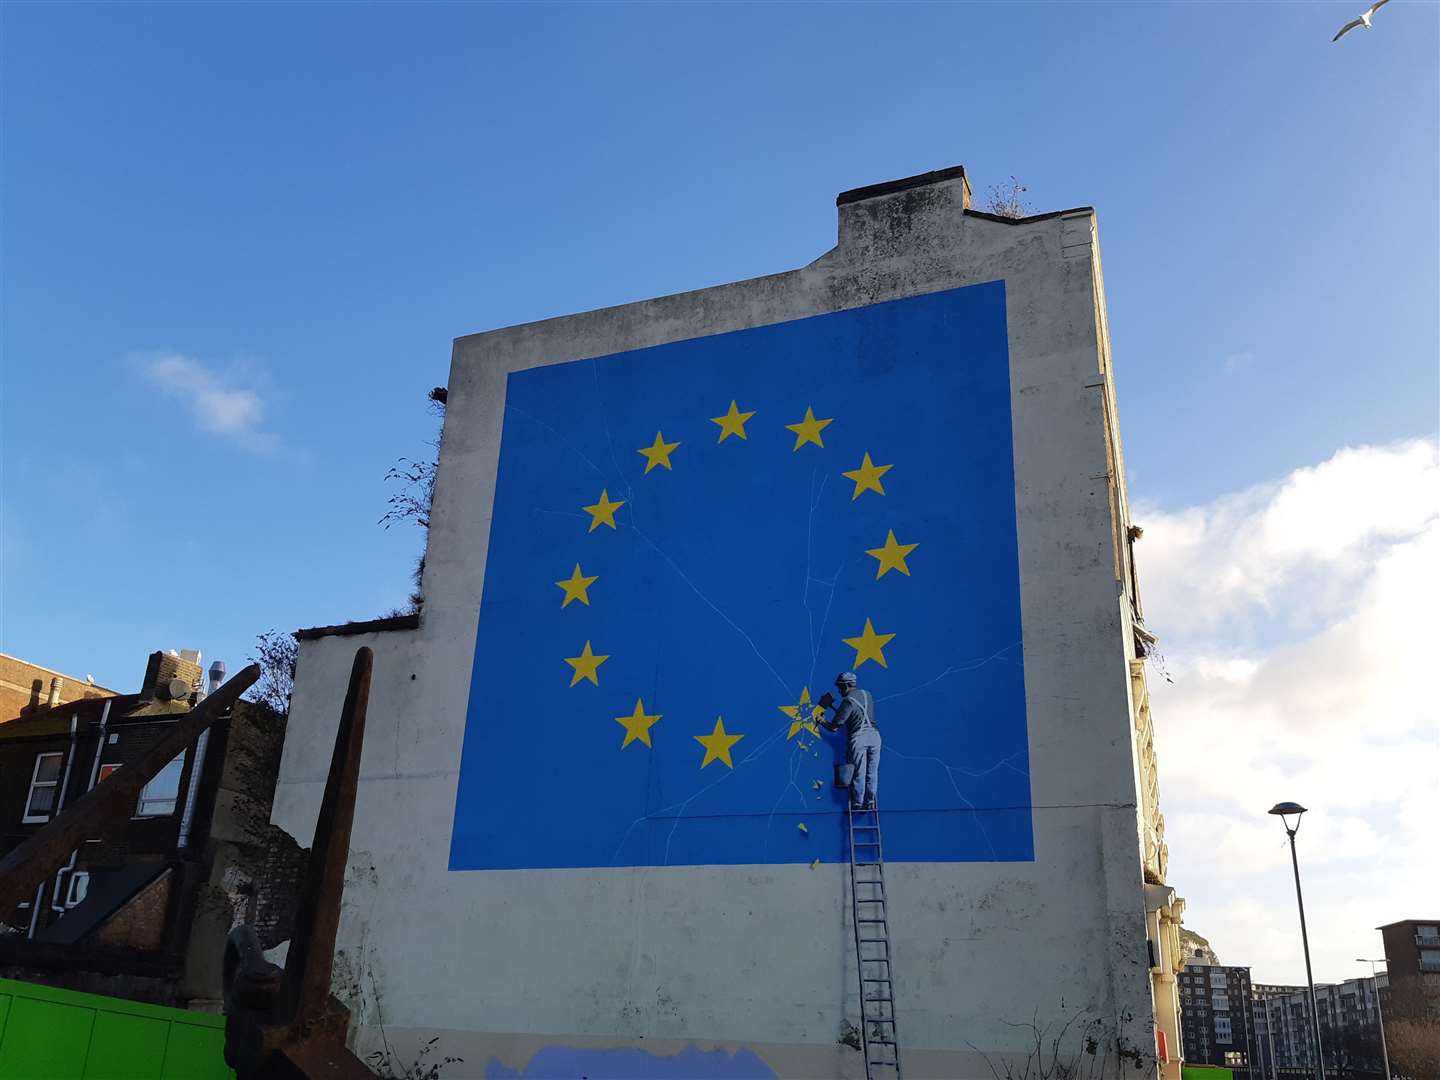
pixel 690 542
pixel 623 1063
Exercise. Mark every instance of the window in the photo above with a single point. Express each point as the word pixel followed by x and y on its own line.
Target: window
pixel 79 886
pixel 160 795
pixel 44 788
pixel 105 770
pixel 1234 1057
pixel 1222 1028
pixel 1217 980
pixel 1220 1002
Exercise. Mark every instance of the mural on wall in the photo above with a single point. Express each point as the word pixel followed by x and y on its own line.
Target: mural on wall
pixel 689 542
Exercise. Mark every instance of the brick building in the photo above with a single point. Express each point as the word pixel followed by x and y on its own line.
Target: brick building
pixel 1215 1018
pixel 27 688
pixel 1412 954
pixel 1349 1026
pixel 150 899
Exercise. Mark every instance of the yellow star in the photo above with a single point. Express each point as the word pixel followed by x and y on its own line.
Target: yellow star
pixel 891 556
pixel 867 477
pixel 808 430
pixel 603 512
pixel 575 587
pixel 797 721
pixel 869 646
pixel 732 423
pixel 658 452
pixel 717 744
pixel 637 725
pixel 586 665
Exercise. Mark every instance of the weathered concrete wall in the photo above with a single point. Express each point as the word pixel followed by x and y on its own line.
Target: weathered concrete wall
pixel 505 964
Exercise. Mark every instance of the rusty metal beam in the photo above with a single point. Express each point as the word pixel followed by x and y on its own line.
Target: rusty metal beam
pixel 286 1026
pixel 311 959
pixel 113 798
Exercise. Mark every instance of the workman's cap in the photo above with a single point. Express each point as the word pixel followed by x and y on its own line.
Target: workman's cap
pixel 846 678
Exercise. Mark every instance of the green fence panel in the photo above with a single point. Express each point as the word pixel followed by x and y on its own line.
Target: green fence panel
pixel 1205 1072
pixel 193 1048
pixel 50 1034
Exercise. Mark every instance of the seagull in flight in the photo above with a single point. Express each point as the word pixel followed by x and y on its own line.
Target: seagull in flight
pixel 1363 20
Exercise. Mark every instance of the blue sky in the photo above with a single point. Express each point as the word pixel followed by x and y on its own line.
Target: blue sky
pixel 293 209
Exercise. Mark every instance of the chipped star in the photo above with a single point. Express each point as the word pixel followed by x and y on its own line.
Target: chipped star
pixel 802 718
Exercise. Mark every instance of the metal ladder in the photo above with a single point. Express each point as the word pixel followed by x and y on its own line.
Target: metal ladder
pixel 879 1037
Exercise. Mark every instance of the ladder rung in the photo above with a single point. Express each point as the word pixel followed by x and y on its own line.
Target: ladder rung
pixel 876 980
pixel 871 920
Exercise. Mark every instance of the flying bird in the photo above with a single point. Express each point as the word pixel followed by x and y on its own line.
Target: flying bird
pixel 1363 20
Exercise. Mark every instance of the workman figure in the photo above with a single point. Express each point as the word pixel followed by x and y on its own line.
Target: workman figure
pixel 856 714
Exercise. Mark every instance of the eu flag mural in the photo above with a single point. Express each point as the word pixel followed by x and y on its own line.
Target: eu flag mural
pixel 691 541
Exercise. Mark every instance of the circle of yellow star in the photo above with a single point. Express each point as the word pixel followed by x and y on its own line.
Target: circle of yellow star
pixel 867 477
pixel 717 744
pixel 637 725
pixel 576 587
pixel 658 452
pixel 891 556
pixel 869 646
pixel 808 430
pixel 802 719
pixel 586 665
pixel 603 512
pixel 732 423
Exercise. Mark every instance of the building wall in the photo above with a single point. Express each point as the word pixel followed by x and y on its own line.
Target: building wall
pixel 514 967
pixel 1216 1015
pixel 26 688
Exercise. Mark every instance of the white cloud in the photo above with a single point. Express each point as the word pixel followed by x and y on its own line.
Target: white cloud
pixel 1238 361
pixel 218 403
pixel 1298 620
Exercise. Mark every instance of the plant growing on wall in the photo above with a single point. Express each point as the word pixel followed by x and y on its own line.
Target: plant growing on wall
pixel 275 652
pixel 1069 1053
pixel 388 1067
pixel 416 492
pixel 1008 200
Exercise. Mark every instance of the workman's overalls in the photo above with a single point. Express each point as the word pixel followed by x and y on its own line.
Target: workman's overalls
pixel 857 713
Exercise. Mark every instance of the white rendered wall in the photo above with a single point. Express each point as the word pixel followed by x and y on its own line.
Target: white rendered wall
pixel 504 964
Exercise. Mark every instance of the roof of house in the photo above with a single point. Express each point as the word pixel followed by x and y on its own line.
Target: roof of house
pixel 55 720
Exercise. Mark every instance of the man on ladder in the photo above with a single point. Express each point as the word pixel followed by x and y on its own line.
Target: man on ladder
pixel 856 713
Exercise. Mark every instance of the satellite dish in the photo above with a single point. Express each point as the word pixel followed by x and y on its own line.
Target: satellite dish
pixel 178 689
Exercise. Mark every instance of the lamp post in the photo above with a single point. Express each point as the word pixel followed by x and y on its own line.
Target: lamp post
pixel 1379 1014
pixel 1284 811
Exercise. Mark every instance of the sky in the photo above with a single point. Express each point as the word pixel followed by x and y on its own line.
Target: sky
pixel 236 242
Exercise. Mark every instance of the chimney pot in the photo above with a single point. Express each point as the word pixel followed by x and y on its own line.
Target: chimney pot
pixel 57 684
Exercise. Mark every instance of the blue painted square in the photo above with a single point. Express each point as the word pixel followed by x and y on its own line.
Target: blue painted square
pixel 735 570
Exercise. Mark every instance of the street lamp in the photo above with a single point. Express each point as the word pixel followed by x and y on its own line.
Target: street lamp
pixel 1379 1015
pixel 1284 811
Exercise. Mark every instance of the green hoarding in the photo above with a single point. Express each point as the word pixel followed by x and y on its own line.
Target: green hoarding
pixel 50 1034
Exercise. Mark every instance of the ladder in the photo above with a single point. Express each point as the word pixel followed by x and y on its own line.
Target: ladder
pixel 879 1037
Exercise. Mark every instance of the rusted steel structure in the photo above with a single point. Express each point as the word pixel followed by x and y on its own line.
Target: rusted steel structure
pixel 284 1024
pixel 111 800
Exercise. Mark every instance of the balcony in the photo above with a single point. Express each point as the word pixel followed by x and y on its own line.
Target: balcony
pixel 1433 940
